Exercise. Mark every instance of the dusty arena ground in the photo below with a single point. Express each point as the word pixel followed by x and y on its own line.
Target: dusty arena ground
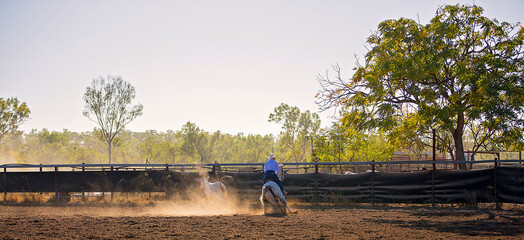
pixel 211 221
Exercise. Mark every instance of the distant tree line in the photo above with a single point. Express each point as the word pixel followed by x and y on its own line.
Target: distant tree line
pixel 301 140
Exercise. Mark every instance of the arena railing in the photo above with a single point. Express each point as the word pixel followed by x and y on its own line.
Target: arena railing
pixel 255 166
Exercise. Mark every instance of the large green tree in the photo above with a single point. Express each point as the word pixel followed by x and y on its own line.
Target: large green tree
pixel 460 68
pixel 108 103
pixel 12 114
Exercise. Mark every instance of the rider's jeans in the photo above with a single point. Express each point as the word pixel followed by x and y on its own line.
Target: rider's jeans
pixel 270 175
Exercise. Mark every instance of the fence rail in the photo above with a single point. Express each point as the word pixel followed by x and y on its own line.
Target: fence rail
pixel 161 165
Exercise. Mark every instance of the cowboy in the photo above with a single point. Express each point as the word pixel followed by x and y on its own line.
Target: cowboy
pixel 271 171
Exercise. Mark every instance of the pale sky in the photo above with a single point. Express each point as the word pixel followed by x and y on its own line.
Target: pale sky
pixel 223 65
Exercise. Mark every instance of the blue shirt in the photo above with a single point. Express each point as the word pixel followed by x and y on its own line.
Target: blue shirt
pixel 271 165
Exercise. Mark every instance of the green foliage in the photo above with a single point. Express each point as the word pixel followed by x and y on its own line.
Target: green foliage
pixel 109 105
pixel 333 144
pixel 198 142
pixel 135 147
pixel 250 148
pixel 340 144
pixel 203 147
pixel 13 113
pixel 461 68
pixel 297 130
pixel 59 147
pixel 157 148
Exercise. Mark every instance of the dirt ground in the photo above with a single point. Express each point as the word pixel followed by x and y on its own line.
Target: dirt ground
pixel 170 221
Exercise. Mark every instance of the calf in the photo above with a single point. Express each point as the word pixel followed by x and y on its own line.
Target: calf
pixel 216 190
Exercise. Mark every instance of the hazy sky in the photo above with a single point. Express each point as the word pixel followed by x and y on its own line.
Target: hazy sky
pixel 223 65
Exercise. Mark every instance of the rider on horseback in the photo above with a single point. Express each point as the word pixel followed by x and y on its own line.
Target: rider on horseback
pixel 271 171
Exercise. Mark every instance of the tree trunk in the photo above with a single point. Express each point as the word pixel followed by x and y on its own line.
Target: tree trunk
pixel 109 150
pixel 459 144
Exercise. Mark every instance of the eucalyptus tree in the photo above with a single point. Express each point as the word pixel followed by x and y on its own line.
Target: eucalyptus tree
pixel 199 142
pixel 460 67
pixel 13 113
pixel 108 103
pixel 297 128
pixel 156 147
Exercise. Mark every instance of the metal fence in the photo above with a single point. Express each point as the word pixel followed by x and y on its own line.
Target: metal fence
pixel 373 182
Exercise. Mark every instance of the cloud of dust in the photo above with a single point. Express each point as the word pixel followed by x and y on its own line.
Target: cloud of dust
pixel 195 203
pixel 6 156
pixel 198 205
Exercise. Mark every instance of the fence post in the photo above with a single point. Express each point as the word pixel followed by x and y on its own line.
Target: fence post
pixel 40 194
pixel 165 182
pixel 5 184
pixel 373 183
pixel 83 193
pixel 56 184
pixel 433 172
pixel 495 166
pixel 433 186
pixel 111 184
pixel 315 196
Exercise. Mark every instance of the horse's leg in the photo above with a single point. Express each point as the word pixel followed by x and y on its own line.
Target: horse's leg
pixel 267 195
pixel 283 202
pixel 280 202
pixel 282 208
pixel 289 209
pixel 262 199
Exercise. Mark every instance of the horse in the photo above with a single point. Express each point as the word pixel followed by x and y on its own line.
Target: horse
pixel 273 195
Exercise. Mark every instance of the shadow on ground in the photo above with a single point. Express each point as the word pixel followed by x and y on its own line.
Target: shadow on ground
pixel 464 222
